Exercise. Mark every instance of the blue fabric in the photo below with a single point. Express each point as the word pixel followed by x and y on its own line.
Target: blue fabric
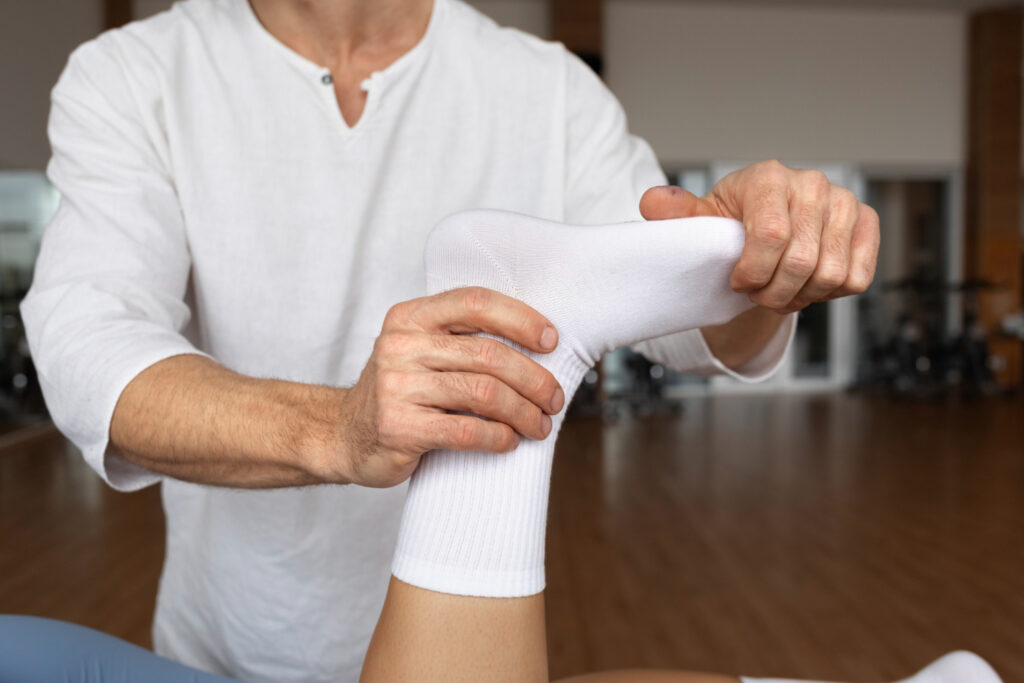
pixel 35 650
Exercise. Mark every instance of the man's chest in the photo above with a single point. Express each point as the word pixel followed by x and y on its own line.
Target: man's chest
pixel 293 172
pixel 285 205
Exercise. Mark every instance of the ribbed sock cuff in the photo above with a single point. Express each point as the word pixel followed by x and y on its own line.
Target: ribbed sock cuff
pixel 475 523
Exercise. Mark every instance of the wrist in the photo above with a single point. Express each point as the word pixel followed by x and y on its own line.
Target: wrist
pixel 743 337
pixel 317 435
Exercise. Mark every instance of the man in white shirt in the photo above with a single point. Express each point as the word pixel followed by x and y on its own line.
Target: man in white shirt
pixel 246 191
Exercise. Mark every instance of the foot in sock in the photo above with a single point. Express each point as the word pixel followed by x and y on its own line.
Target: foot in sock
pixel 956 667
pixel 474 523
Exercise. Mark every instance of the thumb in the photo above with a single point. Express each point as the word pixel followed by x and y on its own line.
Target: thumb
pixel 669 201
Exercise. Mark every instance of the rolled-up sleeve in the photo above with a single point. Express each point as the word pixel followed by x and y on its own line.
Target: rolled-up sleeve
pixel 107 298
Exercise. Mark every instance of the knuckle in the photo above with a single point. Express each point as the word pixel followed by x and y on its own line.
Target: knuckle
pixel 397 314
pixel 808 216
pixel 772 231
pixel 483 391
pixel 391 344
pixel 845 207
pixel 845 200
pixel 773 168
pixel 522 324
pixel 467 432
pixel 489 352
pixel 746 276
pixel 388 382
pixel 859 282
pixel 800 260
pixel 815 182
pixel 830 275
pixel 476 299
pixel 450 343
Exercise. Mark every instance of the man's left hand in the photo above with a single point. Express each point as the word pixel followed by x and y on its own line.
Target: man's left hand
pixel 807 239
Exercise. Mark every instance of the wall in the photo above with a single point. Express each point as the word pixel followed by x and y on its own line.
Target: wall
pixel 700 82
pixel 528 15
pixel 740 82
pixel 147 8
pixel 36 37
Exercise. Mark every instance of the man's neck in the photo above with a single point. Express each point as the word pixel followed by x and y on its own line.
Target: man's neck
pixel 347 36
pixel 352 38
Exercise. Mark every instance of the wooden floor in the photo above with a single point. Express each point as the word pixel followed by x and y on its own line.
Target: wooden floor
pixel 829 537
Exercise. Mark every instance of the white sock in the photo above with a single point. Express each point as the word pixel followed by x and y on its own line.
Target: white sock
pixel 474 523
pixel 956 667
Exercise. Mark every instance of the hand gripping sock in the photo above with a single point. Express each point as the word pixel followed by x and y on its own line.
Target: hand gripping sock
pixel 474 523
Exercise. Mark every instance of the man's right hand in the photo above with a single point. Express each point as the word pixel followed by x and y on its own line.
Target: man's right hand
pixel 191 418
pixel 426 363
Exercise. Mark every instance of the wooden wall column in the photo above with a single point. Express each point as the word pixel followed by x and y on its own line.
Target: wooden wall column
pixel 580 25
pixel 116 13
pixel 993 202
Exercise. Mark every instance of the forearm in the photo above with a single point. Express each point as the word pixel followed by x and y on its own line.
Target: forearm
pixel 743 337
pixel 424 636
pixel 192 419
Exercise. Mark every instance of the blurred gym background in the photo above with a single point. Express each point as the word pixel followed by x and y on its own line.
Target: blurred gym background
pixel 853 517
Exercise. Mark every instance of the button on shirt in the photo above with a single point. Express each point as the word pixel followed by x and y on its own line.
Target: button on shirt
pixel 214 201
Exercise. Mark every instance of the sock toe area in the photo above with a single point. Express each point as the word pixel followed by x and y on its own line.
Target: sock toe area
pixel 960 666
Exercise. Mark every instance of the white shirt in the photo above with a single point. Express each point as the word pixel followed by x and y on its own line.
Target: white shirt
pixel 214 201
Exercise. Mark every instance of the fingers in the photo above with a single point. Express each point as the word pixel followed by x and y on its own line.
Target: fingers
pixel 807 211
pixel 477 309
pixel 488 356
pixel 482 395
pixel 486 396
pixel 426 364
pixel 833 266
pixel 669 201
pixel 863 253
pixel 465 433
pixel 765 213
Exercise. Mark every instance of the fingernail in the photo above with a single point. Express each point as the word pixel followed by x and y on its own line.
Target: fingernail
pixel 557 400
pixel 548 338
pixel 545 424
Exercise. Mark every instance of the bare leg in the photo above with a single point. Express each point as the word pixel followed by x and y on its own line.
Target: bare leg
pixel 423 636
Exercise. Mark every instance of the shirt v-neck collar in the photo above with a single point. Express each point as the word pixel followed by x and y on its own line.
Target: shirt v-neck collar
pixel 320 75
